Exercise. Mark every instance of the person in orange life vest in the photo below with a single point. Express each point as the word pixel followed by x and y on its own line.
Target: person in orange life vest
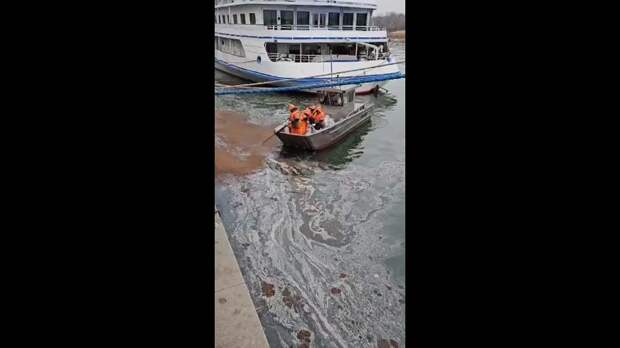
pixel 308 114
pixel 317 116
pixel 297 121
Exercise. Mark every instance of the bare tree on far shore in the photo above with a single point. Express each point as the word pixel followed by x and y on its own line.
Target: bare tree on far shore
pixel 392 21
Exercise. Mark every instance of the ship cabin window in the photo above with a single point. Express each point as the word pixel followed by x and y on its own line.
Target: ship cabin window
pixel 318 19
pixel 361 21
pixel 294 51
pixel 384 51
pixel 278 52
pixel 252 18
pixel 230 46
pixel 286 19
pixel 242 18
pixel 303 19
pixel 347 21
pixel 311 53
pixel 333 21
pixel 344 50
pixel 235 18
pixel 227 19
pixel 349 51
pixel 272 50
pixel 323 52
pixel 270 18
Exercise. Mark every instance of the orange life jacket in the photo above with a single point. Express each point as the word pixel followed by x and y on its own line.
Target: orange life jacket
pixel 297 122
pixel 317 114
pixel 308 113
pixel 295 114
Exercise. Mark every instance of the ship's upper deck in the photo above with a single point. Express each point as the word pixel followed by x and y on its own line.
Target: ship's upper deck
pixel 366 4
pixel 281 16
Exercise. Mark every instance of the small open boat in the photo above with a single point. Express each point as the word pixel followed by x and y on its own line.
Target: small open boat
pixel 345 114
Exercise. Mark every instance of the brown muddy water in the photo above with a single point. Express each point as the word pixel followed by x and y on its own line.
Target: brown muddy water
pixel 239 145
pixel 320 237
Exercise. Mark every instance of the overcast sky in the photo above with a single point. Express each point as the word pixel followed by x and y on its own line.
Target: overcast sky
pixel 385 6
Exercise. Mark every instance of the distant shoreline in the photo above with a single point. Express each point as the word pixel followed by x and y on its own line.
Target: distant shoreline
pixel 398 35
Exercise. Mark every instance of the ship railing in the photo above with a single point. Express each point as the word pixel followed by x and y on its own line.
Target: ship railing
pixel 297 58
pixel 309 27
pixel 325 27
pixel 318 58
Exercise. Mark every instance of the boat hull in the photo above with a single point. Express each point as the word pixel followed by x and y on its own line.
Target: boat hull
pixel 363 88
pixel 328 136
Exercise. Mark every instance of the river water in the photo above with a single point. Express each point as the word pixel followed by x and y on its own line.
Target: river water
pixel 320 237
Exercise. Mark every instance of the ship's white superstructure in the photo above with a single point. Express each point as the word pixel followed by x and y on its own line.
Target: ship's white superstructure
pixel 267 40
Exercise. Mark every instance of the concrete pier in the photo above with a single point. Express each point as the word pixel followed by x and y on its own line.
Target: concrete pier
pixel 236 322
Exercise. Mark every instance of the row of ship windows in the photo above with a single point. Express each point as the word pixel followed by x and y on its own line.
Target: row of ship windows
pixel 270 17
pixel 223 19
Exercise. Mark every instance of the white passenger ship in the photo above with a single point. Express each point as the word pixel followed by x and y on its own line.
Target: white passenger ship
pixel 266 40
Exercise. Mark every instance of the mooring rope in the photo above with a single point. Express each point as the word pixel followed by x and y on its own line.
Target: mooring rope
pixel 339 81
pixel 308 77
